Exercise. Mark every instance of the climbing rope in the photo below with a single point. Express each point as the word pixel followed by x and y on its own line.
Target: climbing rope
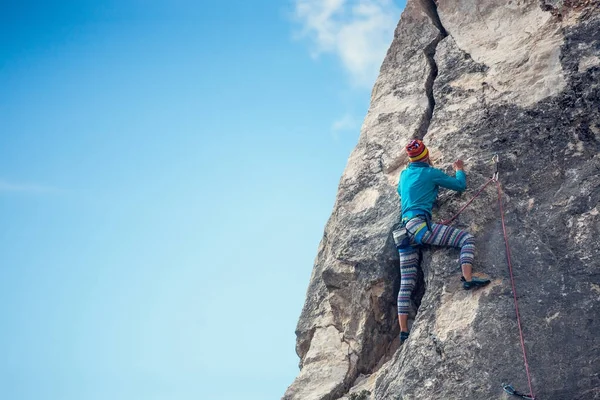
pixel 446 222
pixel 507 388
pixel 492 179
pixel 512 281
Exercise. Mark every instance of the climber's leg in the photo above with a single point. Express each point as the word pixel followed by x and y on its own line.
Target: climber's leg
pixel 403 320
pixel 442 235
pixel 409 261
pixel 467 271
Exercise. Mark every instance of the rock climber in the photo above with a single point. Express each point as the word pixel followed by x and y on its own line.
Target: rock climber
pixel 418 189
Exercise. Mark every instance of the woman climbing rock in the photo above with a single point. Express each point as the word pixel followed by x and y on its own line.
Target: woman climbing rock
pixel 418 189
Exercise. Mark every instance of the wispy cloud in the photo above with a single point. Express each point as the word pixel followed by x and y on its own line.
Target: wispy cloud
pixel 346 123
pixel 359 32
pixel 25 188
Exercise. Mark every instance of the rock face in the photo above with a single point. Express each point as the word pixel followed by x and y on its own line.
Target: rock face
pixel 473 78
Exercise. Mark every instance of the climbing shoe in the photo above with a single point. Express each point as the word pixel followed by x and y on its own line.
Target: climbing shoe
pixel 474 283
pixel 403 337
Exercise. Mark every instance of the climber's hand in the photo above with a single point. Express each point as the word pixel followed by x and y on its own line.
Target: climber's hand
pixel 459 165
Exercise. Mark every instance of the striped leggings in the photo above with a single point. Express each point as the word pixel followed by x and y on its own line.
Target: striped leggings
pixel 440 235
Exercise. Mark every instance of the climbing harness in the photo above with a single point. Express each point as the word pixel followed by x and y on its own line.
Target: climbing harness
pixel 507 388
pixel 510 390
pixel 402 236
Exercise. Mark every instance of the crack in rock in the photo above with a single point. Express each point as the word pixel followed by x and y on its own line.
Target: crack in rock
pixel 430 8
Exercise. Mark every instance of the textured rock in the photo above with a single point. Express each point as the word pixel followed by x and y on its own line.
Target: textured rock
pixel 474 78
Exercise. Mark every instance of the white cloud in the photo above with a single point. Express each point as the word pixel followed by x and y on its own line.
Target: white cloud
pixel 24 188
pixel 359 32
pixel 345 123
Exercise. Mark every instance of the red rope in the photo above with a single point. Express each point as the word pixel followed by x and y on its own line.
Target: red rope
pixel 512 281
pixel 446 222
pixel 508 257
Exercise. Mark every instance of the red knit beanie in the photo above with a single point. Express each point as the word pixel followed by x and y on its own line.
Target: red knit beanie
pixel 417 151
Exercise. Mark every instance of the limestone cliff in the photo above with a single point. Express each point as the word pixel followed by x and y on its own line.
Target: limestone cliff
pixel 474 78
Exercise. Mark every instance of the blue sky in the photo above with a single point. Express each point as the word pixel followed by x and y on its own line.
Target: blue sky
pixel 166 172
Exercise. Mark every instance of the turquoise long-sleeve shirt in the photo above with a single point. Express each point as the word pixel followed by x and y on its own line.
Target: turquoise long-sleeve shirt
pixel 419 184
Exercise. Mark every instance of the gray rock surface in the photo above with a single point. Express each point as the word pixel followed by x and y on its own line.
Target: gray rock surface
pixel 473 78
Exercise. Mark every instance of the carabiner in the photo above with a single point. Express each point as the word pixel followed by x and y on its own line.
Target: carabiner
pixel 495 160
pixel 510 390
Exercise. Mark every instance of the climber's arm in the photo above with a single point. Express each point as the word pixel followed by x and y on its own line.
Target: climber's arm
pixel 458 182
